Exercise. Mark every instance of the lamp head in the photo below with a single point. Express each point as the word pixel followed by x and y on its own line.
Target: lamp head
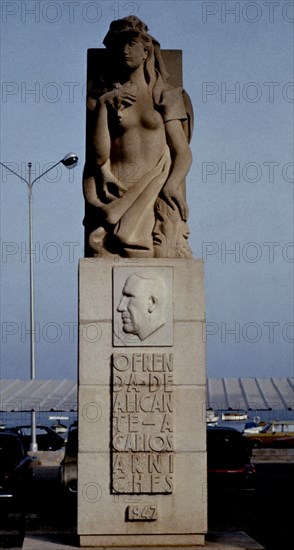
pixel 70 160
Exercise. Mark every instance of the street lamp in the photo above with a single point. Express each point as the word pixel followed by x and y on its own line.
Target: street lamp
pixel 70 161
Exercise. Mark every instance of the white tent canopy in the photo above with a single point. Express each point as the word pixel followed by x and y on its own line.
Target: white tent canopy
pixel 38 395
pixel 222 393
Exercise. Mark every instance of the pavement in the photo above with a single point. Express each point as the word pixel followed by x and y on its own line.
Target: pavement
pixel 263 520
pixel 214 541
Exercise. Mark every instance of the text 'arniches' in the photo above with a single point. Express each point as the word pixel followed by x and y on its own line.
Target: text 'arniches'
pixel 142 423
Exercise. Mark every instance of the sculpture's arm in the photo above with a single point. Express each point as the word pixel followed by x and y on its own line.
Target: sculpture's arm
pixel 101 135
pixel 101 142
pixel 118 98
pixel 181 161
pixel 89 188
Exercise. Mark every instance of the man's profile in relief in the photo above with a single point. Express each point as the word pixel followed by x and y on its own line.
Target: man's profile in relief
pixel 142 305
pixel 137 153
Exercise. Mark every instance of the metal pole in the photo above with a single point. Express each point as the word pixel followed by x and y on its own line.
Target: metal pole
pixel 33 446
pixel 68 161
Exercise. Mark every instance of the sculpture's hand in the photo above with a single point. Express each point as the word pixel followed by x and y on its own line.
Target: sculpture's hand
pixel 111 186
pixel 175 200
pixel 120 97
pixel 109 212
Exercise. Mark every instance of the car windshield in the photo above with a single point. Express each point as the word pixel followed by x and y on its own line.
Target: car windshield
pixel 26 430
pixel 266 428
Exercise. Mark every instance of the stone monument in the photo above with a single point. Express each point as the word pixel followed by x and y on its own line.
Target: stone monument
pixel 142 423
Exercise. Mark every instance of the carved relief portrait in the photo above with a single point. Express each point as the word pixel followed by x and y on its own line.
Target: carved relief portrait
pixel 142 309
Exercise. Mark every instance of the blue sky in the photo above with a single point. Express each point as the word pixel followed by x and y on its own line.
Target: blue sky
pixel 238 65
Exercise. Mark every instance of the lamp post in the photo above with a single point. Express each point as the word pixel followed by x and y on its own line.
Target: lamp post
pixel 70 161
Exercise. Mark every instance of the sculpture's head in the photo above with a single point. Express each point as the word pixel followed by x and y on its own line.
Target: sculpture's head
pixel 122 31
pixel 142 305
pixel 170 233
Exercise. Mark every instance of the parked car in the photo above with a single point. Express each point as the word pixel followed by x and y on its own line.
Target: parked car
pixel 229 466
pixel 271 433
pixel 47 439
pixel 68 471
pixel 16 470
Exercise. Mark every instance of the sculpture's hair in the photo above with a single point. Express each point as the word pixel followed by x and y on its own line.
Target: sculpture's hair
pixel 156 284
pixel 132 26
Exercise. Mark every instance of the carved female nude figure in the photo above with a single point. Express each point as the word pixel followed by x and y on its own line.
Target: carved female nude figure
pixel 139 154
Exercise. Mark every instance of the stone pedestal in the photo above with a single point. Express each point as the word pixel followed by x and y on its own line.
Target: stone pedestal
pixel 142 421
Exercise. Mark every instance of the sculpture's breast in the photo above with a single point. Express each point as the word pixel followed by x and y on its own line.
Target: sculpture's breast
pixel 151 119
pixel 137 116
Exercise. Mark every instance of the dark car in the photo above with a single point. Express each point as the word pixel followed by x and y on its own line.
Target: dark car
pixel 15 469
pixel 68 467
pixel 229 466
pixel 47 439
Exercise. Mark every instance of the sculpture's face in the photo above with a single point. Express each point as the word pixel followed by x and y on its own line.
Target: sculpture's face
pixel 159 230
pixel 133 306
pixel 170 233
pixel 134 53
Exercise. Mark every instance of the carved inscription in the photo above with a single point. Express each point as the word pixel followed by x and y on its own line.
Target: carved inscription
pixel 141 513
pixel 142 415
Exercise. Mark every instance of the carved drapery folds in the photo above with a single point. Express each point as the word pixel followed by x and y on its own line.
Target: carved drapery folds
pixel 137 150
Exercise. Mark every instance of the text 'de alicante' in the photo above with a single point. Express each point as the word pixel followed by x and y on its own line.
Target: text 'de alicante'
pixel 142 423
